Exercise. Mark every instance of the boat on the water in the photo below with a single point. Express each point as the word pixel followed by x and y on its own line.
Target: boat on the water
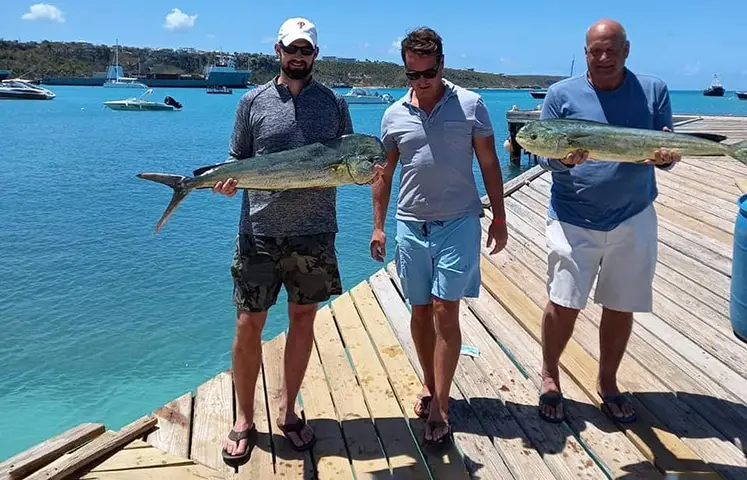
pixel 220 90
pixel 19 89
pixel 139 104
pixel 116 78
pixel 360 95
pixel 716 89
pixel 742 95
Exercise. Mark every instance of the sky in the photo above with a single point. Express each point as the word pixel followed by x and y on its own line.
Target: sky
pixel 684 42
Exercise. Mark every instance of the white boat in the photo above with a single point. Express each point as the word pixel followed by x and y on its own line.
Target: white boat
pixel 19 89
pixel 141 104
pixel 115 75
pixel 360 95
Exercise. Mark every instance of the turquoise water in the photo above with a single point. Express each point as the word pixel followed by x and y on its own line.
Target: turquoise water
pixel 104 322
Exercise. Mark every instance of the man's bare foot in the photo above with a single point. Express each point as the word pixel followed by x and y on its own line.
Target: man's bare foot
pixel 551 400
pixel 239 443
pixel 619 405
pixel 297 431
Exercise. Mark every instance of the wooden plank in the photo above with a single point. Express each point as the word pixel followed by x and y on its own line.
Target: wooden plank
pixel 69 464
pixel 213 419
pixel 599 434
pixel 134 458
pixel 34 458
pixel 260 463
pixel 330 452
pixel 502 420
pixel 171 472
pixel 288 462
pixel 517 182
pixel 480 456
pixel 403 379
pixel 358 428
pixel 742 184
pixel 680 186
pixel 405 459
pixel 174 425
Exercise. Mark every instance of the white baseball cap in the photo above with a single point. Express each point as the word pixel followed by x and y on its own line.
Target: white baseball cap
pixel 297 28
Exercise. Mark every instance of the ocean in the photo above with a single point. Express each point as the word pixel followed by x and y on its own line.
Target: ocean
pixel 102 321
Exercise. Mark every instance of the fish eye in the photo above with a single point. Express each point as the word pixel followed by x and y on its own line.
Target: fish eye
pixel 533 136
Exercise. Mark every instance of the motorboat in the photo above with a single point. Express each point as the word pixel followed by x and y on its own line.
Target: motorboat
pixel 360 95
pixel 538 93
pixel 19 89
pixel 715 90
pixel 141 104
pixel 219 89
pixel 742 95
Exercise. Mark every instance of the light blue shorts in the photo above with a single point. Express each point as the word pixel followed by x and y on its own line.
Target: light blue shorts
pixel 438 259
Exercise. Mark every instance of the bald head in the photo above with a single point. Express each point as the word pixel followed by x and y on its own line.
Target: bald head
pixel 606 29
pixel 607 48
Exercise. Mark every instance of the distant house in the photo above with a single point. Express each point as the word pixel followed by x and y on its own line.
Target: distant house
pixel 332 58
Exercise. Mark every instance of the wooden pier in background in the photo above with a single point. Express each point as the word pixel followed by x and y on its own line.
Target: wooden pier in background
pixel 686 371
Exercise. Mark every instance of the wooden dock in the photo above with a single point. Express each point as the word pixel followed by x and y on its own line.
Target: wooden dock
pixel 685 368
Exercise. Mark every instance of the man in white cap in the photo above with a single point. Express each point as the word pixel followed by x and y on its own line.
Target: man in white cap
pixel 285 237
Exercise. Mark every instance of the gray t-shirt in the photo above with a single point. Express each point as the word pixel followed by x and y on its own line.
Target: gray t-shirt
pixel 269 119
pixel 436 154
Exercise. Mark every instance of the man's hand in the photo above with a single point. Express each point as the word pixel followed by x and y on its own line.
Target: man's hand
pixel 576 157
pixel 227 188
pixel 664 156
pixel 498 233
pixel 378 172
pixel 378 245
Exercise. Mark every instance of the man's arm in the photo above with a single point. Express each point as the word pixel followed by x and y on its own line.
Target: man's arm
pixel 663 118
pixel 241 144
pixel 382 189
pixel 483 141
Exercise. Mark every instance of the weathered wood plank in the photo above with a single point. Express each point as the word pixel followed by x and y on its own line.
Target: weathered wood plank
pixel 480 456
pixel 600 435
pixel 402 451
pixel 134 458
pixel 28 461
pixel 330 453
pixel 288 462
pixel 170 472
pixel 403 379
pixel 174 425
pixel 213 419
pixel 358 428
pixel 260 463
pixel 501 421
pixel 73 462
pixel 678 187
pixel 742 184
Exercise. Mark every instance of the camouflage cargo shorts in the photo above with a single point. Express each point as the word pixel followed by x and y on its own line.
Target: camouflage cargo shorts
pixel 306 265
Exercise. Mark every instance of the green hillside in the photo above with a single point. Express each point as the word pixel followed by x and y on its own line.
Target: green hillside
pixel 36 60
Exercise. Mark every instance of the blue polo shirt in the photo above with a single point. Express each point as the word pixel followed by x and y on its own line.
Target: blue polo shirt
pixel 600 195
pixel 436 154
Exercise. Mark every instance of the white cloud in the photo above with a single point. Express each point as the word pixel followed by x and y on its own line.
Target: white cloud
pixel 396 46
pixel 269 40
pixel 210 36
pixel 692 69
pixel 366 45
pixel 178 20
pixel 44 11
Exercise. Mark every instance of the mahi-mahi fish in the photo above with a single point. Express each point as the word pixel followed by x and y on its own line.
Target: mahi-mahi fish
pixel 557 137
pixel 349 159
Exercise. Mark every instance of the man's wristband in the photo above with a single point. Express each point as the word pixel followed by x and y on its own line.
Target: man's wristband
pixel 499 221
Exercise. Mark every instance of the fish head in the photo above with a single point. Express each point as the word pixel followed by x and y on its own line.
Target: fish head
pixel 542 137
pixel 362 153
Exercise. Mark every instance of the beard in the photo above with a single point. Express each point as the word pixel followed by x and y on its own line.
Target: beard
pixel 296 73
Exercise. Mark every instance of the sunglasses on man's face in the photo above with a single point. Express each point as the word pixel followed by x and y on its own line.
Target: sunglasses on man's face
pixel 292 49
pixel 430 73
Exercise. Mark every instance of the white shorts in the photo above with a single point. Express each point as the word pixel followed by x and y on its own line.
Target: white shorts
pixel 624 258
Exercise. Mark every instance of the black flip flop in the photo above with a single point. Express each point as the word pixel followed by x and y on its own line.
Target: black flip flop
pixel 618 401
pixel 553 400
pixel 445 440
pixel 250 434
pixel 425 402
pixel 296 428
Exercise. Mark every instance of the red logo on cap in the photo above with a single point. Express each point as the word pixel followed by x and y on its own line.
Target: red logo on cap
pixel 301 24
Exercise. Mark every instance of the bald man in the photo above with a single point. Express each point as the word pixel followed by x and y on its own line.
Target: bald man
pixel 601 222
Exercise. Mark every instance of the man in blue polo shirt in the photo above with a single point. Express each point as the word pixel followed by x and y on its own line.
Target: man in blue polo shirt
pixel 434 131
pixel 601 220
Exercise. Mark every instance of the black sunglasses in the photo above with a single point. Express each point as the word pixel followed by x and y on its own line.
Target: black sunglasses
pixel 430 73
pixel 292 49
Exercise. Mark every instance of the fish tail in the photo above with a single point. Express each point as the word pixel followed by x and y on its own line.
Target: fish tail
pixel 739 151
pixel 181 188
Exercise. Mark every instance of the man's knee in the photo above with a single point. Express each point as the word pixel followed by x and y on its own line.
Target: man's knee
pixel 447 316
pixel 302 315
pixel 559 313
pixel 249 326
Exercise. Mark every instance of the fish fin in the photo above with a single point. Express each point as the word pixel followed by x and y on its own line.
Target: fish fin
pixel 715 137
pixel 204 169
pixel 739 151
pixel 181 190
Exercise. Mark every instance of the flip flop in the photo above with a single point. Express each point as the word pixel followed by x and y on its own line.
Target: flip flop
pixel 445 440
pixel 553 400
pixel 425 403
pixel 619 401
pixel 296 428
pixel 250 434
